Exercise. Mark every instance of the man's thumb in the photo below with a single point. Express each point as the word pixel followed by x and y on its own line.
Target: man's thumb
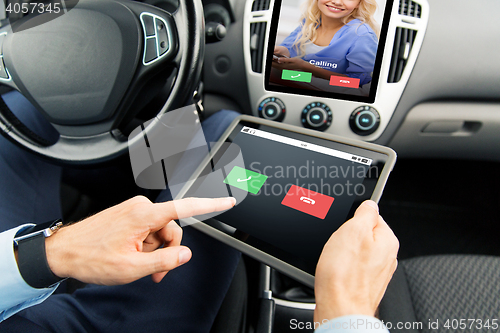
pixel 367 214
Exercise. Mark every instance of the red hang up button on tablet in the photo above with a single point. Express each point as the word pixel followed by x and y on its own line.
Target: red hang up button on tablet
pixel 344 81
pixel 307 201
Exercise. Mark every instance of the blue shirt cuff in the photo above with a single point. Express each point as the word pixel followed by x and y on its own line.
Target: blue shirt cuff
pixel 15 293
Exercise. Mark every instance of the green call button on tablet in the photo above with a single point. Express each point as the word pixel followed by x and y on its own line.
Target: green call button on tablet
pixel 245 179
pixel 296 76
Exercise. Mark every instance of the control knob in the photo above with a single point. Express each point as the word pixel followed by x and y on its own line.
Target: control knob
pixel 272 108
pixel 317 116
pixel 364 120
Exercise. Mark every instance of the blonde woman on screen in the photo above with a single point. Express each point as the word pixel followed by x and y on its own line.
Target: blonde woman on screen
pixel 335 37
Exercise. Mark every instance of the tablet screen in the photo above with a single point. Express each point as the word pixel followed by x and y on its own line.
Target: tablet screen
pixel 298 190
pixel 327 49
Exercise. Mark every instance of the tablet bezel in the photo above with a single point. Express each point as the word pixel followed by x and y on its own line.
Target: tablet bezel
pixel 280 265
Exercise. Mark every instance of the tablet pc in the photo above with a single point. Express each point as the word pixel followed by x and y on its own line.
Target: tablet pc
pixel 294 187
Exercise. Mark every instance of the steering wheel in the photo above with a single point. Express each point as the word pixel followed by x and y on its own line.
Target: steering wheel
pixel 88 68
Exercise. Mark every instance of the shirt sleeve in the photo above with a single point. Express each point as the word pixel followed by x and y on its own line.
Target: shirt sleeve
pixel 288 41
pixel 361 57
pixel 353 324
pixel 15 293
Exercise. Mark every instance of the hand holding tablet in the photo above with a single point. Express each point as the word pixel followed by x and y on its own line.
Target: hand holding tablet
pixel 294 188
pixel 355 266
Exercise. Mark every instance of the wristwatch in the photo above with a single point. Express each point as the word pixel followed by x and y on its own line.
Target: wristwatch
pixel 31 256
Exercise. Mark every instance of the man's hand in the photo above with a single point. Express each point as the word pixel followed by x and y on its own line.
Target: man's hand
pixel 355 266
pixel 122 244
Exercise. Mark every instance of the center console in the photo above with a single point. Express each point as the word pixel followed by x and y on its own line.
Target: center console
pixel 350 118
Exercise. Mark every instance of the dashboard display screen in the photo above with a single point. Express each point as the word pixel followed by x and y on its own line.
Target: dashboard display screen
pixel 327 48
pixel 297 190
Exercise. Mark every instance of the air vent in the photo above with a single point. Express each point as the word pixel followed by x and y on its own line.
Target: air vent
pixel 410 8
pixel 403 44
pixel 257 38
pixel 260 5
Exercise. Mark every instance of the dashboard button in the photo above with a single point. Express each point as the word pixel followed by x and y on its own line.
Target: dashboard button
pixel 149 25
pixel 364 120
pixel 342 81
pixel 272 108
pixel 317 116
pixel 150 52
pixel 163 42
pixel 296 76
pixel 271 111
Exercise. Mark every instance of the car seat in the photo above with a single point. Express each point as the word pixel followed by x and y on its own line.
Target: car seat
pixel 438 291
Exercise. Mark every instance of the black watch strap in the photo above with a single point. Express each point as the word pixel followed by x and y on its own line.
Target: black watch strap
pixel 32 262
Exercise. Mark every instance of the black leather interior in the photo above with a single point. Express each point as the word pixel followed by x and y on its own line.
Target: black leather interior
pixel 232 313
pixel 443 288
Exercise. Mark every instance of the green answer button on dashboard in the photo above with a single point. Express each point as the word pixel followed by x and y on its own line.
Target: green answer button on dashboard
pixel 246 180
pixel 296 76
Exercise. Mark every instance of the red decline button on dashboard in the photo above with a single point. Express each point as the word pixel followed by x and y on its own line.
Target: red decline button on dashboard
pixel 344 81
pixel 307 201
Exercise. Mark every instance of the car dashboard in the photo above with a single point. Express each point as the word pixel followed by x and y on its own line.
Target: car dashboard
pixel 437 94
pixel 407 29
